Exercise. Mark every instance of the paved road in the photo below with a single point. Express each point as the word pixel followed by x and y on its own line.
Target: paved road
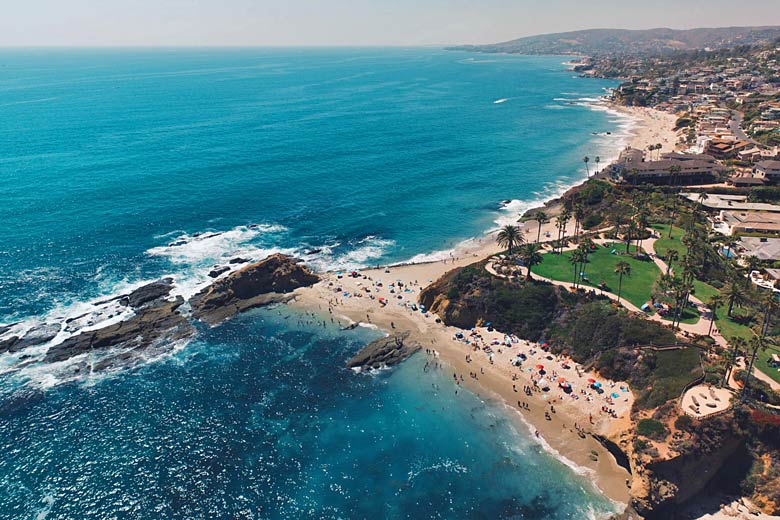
pixel 736 127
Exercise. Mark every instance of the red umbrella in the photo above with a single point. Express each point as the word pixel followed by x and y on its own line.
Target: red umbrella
pixel 561 379
pixel 540 367
pixel 591 381
pixel 545 345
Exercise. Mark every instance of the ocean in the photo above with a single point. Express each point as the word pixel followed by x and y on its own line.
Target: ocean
pixel 120 166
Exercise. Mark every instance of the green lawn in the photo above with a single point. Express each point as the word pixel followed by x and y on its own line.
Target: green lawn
pixel 703 291
pixel 637 287
pixel 729 328
pixel 762 362
pixel 689 316
pixel 663 244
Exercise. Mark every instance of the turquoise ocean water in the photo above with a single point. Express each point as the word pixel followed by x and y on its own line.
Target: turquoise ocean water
pixel 121 166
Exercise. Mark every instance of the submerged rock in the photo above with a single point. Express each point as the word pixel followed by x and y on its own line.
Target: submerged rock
pixel 384 352
pixel 251 286
pixel 214 273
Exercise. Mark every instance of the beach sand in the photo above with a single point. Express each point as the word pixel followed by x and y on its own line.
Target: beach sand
pixel 499 379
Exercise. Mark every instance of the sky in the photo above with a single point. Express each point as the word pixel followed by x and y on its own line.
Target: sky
pixel 349 22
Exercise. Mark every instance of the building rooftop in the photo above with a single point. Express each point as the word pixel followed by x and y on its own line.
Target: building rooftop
pixel 761 248
pixel 731 202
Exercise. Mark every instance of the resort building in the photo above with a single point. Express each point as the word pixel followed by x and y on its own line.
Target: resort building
pixel 734 222
pixel 676 169
pixel 763 248
pixel 718 201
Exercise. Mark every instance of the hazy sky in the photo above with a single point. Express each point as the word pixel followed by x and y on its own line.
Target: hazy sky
pixel 349 22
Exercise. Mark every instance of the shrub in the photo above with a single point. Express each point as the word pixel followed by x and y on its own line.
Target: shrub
pixel 683 422
pixel 651 428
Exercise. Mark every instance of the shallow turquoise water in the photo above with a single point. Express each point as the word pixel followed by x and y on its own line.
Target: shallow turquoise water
pixel 112 163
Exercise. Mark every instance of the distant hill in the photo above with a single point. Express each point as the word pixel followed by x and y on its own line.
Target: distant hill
pixel 600 42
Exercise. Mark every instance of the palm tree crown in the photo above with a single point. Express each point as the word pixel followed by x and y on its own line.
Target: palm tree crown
pixel 509 236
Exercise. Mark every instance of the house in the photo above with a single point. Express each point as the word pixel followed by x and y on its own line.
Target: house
pixel 768 170
pixel 733 222
pixel 724 148
pixel 763 248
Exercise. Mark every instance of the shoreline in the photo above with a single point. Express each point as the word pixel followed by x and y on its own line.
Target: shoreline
pixel 498 380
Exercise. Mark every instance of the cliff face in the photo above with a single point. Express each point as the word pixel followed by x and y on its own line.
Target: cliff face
pixel 663 486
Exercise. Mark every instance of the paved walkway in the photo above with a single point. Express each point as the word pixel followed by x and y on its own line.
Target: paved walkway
pixel 704 400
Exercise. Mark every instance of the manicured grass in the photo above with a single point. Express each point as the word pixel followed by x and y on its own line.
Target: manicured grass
pixel 689 316
pixel 663 244
pixel 637 287
pixel 762 362
pixel 729 328
pixel 703 291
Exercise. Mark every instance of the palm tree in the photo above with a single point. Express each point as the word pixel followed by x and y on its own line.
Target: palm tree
pixel 509 236
pixel 642 222
pixel 734 294
pixel 756 343
pixel 701 198
pixel 671 256
pixel 530 256
pixel 729 243
pixel 752 263
pixel 542 218
pixel 713 303
pixel 586 160
pixel 630 232
pixel 622 268
pixel 577 258
pixel 579 214
pixel 737 343
pixel 658 147
pixel 674 170
pixel 597 160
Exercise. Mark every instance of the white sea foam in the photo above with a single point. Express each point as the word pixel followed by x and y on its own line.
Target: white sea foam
pixel 499 101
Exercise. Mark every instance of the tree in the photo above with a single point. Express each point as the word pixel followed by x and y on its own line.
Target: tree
pixel 734 294
pixel 701 198
pixel 714 303
pixel 671 256
pixel 756 343
pixel 577 258
pixel 586 160
pixel 597 160
pixel 509 236
pixel 729 243
pixel 752 263
pixel 674 170
pixel 631 230
pixel 622 268
pixel 530 256
pixel 579 214
pixel 542 218
pixel 738 344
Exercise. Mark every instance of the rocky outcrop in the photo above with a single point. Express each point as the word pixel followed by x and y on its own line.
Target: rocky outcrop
pixel 251 286
pixel 156 322
pixel 384 352
pixel 148 293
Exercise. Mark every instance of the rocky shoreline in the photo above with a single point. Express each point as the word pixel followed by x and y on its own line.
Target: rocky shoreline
pixel 152 320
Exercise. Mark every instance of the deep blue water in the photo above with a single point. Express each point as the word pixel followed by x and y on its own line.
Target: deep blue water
pixel 112 162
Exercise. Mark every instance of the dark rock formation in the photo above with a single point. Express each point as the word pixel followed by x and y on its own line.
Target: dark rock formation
pixel 384 352
pixel 157 322
pixel 36 336
pixel 147 293
pixel 7 343
pixel 238 260
pixel 251 286
pixel 214 273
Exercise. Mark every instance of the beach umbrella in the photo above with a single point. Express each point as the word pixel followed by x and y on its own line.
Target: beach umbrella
pixel 591 381
pixel 597 384
pixel 615 395
pixel 561 379
pixel 543 383
pixel 540 367
pixel 545 345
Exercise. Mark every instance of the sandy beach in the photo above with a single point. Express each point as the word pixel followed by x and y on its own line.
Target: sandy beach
pixel 485 361
pixel 653 127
